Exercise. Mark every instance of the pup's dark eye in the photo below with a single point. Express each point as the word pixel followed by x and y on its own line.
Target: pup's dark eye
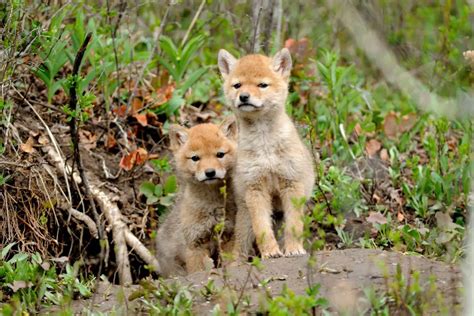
pixel 263 85
pixel 220 154
pixel 195 158
pixel 237 85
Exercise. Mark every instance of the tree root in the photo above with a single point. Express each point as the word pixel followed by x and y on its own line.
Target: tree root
pixel 122 236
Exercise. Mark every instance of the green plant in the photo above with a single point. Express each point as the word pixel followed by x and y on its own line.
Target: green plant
pixel 162 194
pixel 176 61
pixel 28 282
pixel 288 303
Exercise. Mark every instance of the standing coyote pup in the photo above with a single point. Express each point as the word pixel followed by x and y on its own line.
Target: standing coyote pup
pixel 204 157
pixel 273 167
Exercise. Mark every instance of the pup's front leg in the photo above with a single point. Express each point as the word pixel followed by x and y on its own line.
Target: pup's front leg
pixel 291 194
pixel 259 204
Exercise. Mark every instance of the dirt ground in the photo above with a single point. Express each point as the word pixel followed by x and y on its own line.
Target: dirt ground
pixel 342 274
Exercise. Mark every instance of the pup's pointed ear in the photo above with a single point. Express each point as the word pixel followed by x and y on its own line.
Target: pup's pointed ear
pixel 226 62
pixel 178 136
pixel 282 62
pixel 229 127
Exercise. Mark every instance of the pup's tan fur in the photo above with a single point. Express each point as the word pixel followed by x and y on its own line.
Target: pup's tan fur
pixel 273 166
pixel 185 241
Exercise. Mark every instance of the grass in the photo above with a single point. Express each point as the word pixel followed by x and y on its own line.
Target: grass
pixel 404 172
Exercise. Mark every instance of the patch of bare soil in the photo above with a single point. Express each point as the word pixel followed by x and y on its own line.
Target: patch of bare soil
pixel 342 274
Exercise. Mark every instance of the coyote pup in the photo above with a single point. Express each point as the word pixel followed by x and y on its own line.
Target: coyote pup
pixel 204 157
pixel 273 166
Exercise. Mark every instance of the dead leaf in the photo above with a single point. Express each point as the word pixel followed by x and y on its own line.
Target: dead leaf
pixel 400 217
pixel 141 118
pixel 372 147
pixel 87 139
pixel 136 157
pixel 17 285
pixel 390 125
pixel 28 146
pixel 120 111
pixel 384 155
pixel 45 265
pixel 43 140
pixel 376 218
pixel 407 122
pixel 142 155
pixel 137 105
pixel 110 142
pixel 163 94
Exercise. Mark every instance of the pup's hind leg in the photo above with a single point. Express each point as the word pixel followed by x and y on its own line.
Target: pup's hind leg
pixel 291 194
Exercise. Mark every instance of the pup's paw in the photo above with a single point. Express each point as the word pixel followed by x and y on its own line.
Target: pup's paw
pixel 293 250
pixel 271 252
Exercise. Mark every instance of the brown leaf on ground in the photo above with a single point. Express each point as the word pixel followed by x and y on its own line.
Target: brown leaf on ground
pixel 28 146
pixel 136 157
pixel 137 105
pixel 87 139
pixel 120 111
pixel 400 216
pixel 141 118
pixel 43 140
pixel 407 122
pixel 372 147
pixel 110 142
pixel 163 94
pixel 390 125
pixel 376 218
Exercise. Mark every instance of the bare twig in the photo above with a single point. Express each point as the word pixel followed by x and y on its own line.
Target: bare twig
pixel 256 33
pixel 196 16
pixel 73 104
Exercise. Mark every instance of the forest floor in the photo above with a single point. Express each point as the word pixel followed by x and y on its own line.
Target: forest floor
pixel 344 277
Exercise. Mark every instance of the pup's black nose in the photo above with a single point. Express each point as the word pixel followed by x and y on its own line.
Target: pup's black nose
pixel 210 173
pixel 244 97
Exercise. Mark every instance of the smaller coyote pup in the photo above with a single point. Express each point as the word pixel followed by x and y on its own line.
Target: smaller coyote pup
pixel 204 157
pixel 274 169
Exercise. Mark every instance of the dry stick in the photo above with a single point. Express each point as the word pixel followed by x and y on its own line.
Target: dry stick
pixel 196 16
pixel 256 33
pixel 268 24
pixel 73 105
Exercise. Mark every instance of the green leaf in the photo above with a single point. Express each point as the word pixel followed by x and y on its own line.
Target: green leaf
pixel 174 104
pixel 168 47
pixel 18 257
pixel 167 200
pixel 158 190
pixel 6 249
pixel 192 78
pixel 170 185
pixel 147 188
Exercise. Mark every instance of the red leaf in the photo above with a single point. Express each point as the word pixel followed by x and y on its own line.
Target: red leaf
pixel 120 111
pixel 141 118
pixel 136 157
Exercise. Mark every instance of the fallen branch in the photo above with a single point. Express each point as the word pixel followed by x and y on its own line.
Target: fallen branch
pixel 121 234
